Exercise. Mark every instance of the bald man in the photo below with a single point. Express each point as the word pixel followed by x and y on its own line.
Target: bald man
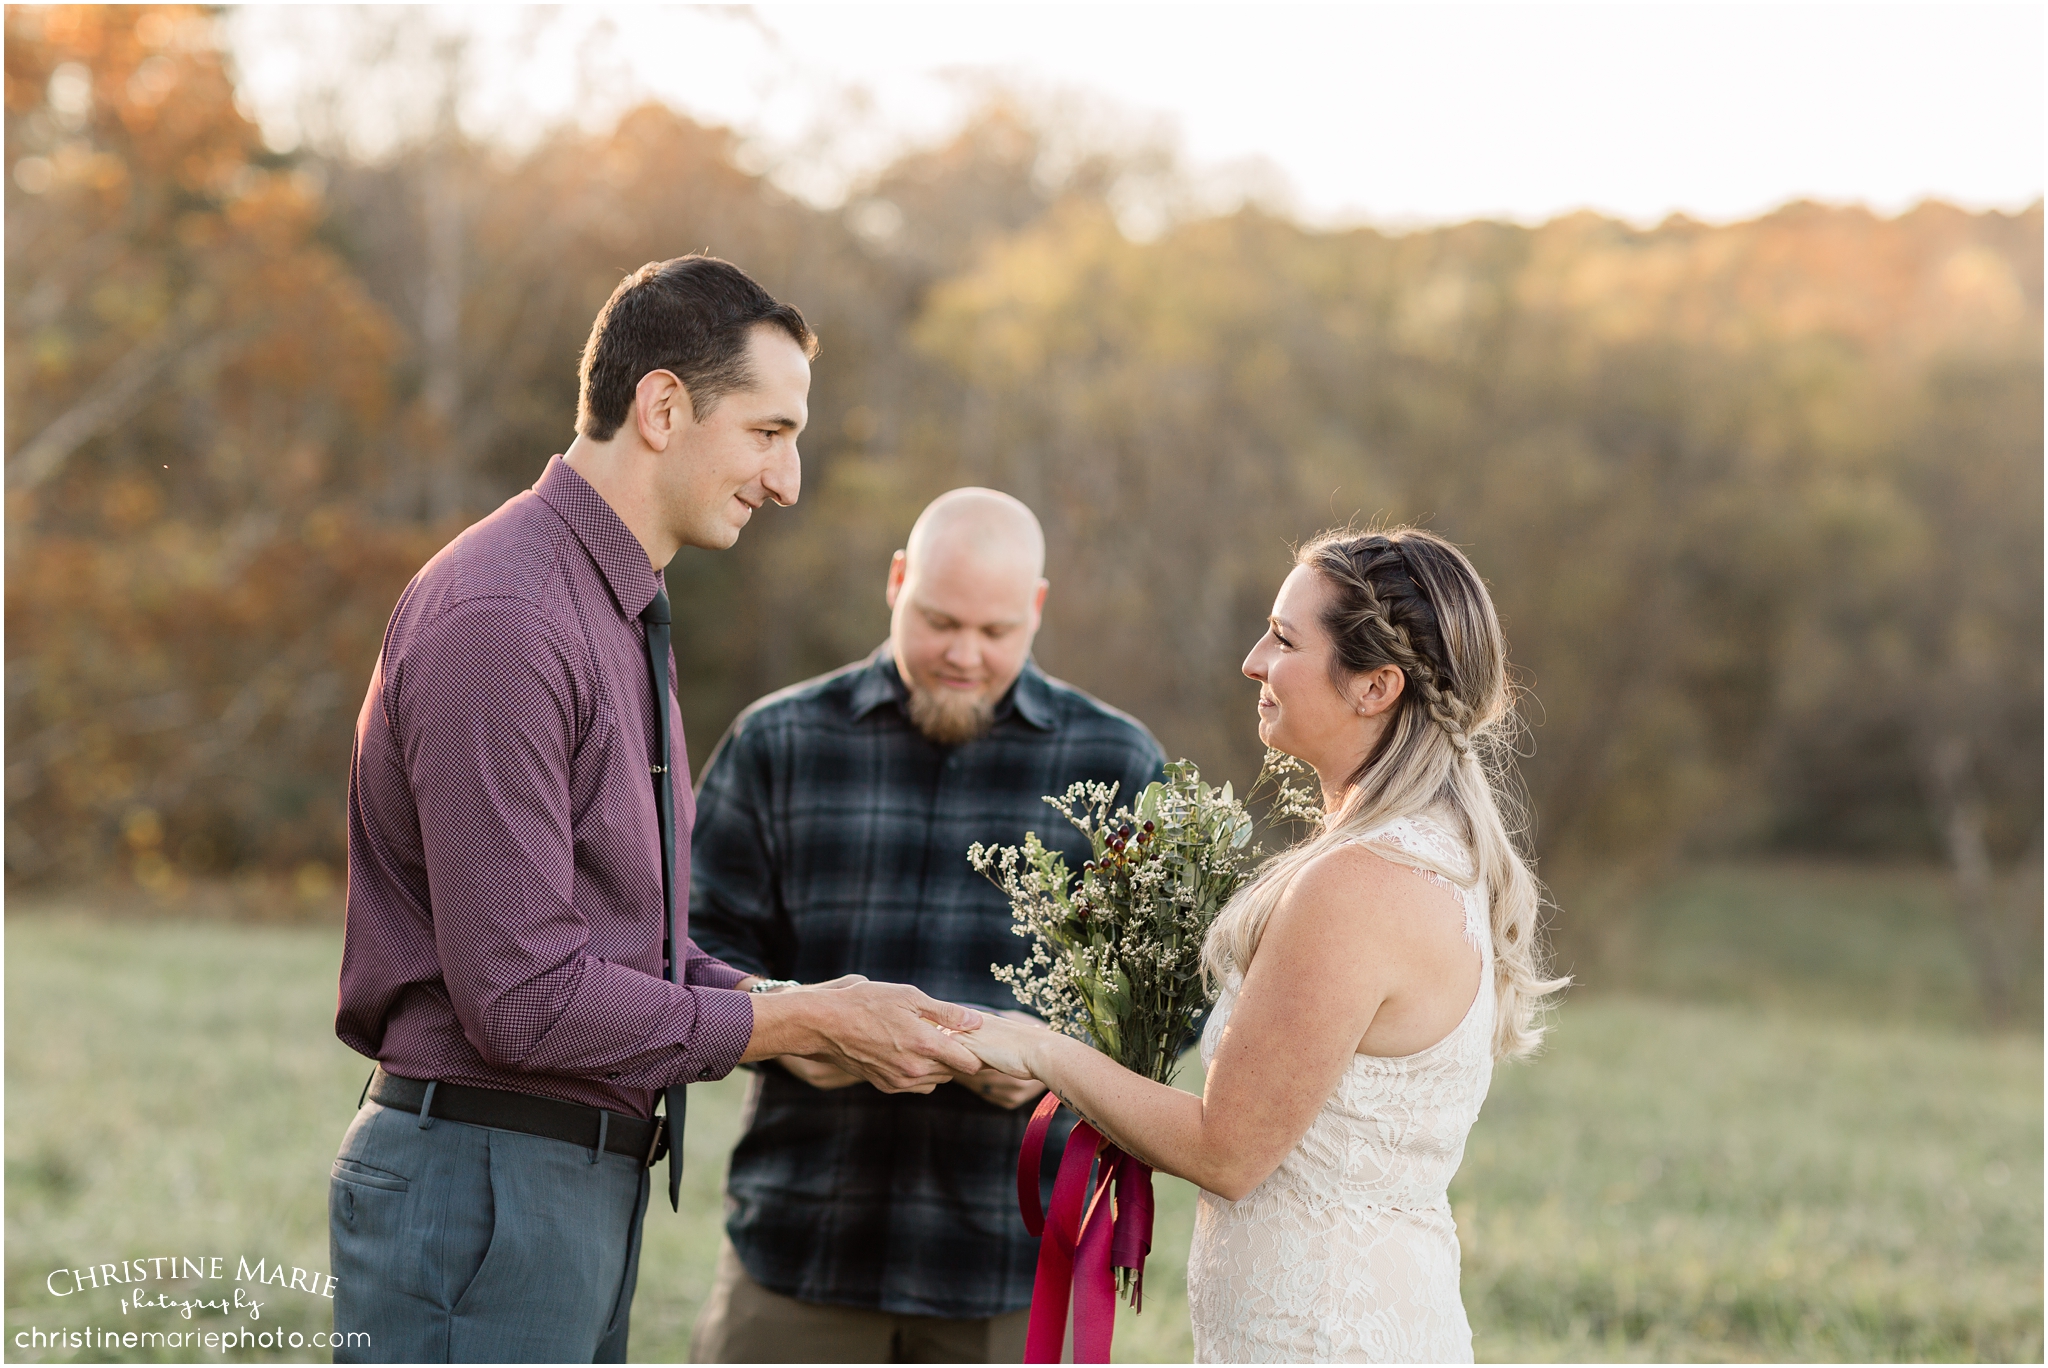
pixel 831 838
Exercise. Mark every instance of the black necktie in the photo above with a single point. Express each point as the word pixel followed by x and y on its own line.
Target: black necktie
pixel 655 616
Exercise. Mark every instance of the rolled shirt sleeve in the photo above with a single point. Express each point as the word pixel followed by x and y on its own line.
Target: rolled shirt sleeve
pixel 708 971
pixel 490 710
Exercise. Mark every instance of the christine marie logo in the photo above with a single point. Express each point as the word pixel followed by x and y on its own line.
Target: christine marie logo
pixel 141 1283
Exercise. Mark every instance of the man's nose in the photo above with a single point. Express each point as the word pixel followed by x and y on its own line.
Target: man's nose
pixel 784 477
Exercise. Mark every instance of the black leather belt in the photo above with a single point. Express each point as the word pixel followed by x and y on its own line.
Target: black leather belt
pixel 591 1127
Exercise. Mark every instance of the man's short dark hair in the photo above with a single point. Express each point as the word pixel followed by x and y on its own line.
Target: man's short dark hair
pixel 690 315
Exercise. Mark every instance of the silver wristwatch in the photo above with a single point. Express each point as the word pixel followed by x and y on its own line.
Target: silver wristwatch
pixel 768 985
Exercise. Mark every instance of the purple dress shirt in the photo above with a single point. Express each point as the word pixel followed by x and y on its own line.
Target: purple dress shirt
pixel 504 863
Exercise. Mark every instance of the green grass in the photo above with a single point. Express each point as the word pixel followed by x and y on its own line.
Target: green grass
pixel 1810 940
pixel 1808 1161
pixel 1758 1187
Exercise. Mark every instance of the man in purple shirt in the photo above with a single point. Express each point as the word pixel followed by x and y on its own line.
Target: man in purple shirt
pixel 503 960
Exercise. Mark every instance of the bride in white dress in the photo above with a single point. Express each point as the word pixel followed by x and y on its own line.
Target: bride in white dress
pixel 1368 978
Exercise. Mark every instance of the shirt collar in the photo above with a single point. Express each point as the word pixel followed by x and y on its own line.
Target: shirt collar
pixel 1029 698
pixel 878 684
pixel 620 557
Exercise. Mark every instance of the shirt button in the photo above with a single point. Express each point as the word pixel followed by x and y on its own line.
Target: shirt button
pixel 704 1072
pixel 613 1074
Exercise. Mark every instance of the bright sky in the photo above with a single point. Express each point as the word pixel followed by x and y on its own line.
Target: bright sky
pixel 1394 114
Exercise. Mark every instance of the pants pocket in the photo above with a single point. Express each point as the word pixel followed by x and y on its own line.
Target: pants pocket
pixel 408 1223
pixel 367 1175
pixel 365 1206
pixel 473 1240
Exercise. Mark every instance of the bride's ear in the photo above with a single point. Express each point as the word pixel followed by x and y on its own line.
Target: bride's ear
pixel 1377 690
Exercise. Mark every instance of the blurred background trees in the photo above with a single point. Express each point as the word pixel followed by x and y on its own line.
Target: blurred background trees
pixel 1760 503
pixel 195 384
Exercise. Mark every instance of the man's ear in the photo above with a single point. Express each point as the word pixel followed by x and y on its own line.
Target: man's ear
pixel 898 567
pixel 661 407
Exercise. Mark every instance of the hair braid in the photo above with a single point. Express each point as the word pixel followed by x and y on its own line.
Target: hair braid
pixel 1397 642
pixel 1410 599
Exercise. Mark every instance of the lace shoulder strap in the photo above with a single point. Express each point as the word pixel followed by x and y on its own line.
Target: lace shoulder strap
pixel 1421 834
pixel 1424 835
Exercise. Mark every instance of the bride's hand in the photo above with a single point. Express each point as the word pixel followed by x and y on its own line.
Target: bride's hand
pixel 1007 1043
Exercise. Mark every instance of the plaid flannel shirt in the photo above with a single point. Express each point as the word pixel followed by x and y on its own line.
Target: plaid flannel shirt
pixel 831 838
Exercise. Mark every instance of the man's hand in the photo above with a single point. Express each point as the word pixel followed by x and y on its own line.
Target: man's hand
pixel 817 1073
pixel 998 1087
pixel 890 1034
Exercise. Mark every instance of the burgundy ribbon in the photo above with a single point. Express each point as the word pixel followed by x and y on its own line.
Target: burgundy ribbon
pixel 1095 1230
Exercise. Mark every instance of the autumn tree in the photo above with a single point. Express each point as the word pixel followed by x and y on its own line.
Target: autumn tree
pixel 1759 502
pixel 192 591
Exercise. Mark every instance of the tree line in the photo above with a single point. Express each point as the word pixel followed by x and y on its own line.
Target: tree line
pixel 1760 503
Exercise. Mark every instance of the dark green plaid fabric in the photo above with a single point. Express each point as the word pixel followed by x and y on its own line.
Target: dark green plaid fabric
pixel 831 838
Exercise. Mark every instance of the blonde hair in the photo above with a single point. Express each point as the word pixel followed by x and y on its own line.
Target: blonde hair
pixel 1410 599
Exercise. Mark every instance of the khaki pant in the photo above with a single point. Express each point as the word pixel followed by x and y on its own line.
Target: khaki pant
pixel 744 1322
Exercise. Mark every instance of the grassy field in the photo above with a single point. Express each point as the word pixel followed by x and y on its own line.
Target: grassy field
pixel 1799 1149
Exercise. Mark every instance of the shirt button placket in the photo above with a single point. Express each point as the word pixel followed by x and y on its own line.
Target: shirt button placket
pixel 936 823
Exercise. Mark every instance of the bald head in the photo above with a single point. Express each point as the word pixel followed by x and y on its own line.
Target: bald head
pixel 964 600
pixel 986 526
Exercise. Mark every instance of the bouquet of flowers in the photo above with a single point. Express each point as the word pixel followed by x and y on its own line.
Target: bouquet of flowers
pixel 1116 961
pixel 1116 953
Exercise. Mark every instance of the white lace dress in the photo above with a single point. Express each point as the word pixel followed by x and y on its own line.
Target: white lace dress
pixel 1347 1253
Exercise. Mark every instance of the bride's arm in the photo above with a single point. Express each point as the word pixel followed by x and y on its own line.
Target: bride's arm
pixel 1350 930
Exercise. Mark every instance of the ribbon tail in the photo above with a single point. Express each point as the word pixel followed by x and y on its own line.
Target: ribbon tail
pixel 1029 1159
pixel 1094 1239
pixel 1046 1333
pixel 1132 1240
pixel 1094 1281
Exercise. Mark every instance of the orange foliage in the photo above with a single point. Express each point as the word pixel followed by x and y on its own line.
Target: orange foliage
pixel 1759 501
pixel 183 615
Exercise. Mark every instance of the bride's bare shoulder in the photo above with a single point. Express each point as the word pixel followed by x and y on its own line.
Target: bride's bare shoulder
pixel 1365 887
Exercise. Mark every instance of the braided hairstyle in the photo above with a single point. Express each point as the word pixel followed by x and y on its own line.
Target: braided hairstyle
pixel 1410 599
pixel 1382 613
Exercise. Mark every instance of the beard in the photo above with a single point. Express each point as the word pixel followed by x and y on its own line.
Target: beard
pixel 950 721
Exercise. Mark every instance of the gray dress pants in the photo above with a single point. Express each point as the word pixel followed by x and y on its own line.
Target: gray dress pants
pixel 454 1243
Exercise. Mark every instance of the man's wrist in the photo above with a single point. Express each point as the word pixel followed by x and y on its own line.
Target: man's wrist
pixel 761 983
pixel 786 1023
